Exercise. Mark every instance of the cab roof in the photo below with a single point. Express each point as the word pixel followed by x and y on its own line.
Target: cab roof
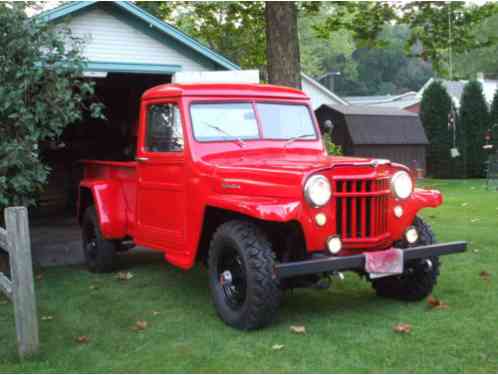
pixel 224 90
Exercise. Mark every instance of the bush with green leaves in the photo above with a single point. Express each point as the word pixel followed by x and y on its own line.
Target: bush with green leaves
pixel 474 120
pixel 434 110
pixel 42 91
pixel 331 147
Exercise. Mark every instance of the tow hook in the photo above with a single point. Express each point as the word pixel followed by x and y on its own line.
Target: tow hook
pixel 326 281
pixel 427 265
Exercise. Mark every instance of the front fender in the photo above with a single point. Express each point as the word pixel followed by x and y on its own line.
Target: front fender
pixel 269 209
pixel 423 198
pixel 110 205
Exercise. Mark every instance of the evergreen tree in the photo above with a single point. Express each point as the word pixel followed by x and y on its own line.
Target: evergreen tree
pixel 434 109
pixel 493 114
pixel 474 120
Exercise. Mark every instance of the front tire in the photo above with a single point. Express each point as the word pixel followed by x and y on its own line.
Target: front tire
pixel 244 289
pixel 420 276
pixel 100 253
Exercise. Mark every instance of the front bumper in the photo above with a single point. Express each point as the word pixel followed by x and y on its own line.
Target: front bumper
pixel 357 262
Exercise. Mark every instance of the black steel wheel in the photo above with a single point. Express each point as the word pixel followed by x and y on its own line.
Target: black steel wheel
pixel 420 276
pixel 100 253
pixel 244 288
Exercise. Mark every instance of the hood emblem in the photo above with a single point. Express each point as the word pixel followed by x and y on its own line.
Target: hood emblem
pixel 376 162
pixel 226 185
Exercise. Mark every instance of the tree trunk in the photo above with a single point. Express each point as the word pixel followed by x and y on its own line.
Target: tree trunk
pixel 282 44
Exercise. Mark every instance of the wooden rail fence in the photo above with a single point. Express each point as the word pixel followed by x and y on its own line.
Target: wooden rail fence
pixel 19 288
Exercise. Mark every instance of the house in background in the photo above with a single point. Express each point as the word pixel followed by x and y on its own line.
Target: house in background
pixel 409 101
pixel 455 88
pixel 377 132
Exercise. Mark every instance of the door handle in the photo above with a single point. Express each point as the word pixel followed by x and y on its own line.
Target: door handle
pixel 141 158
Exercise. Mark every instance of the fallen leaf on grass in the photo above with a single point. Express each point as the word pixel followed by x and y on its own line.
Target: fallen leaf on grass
pixel 278 347
pixel 82 339
pixel 47 317
pixel 140 325
pixel 124 276
pixel 436 303
pixel 402 328
pixel 485 275
pixel 300 330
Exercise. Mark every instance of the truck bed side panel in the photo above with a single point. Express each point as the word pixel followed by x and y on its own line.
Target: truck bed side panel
pixel 113 187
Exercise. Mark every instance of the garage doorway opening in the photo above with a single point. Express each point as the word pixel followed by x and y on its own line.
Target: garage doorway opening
pixel 111 139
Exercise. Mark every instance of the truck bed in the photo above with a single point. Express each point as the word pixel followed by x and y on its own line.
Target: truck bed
pixel 123 172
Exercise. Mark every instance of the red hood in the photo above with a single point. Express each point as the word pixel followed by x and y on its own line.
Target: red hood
pixel 282 162
pixel 271 174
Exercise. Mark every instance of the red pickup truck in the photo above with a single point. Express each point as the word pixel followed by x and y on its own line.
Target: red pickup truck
pixel 236 176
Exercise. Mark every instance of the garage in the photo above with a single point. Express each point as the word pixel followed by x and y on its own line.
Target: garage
pixel 128 51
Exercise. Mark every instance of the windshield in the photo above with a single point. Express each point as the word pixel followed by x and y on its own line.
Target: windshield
pixel 224 121
pixel 237 121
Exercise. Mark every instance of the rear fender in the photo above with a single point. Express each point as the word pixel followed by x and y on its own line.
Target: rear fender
pixel 110 205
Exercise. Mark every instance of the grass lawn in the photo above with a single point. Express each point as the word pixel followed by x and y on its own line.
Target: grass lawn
pixel 348 328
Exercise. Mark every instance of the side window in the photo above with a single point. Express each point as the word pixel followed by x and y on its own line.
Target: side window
pixel 164 128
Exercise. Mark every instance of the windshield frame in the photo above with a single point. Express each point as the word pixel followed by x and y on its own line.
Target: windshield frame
pixel 254 103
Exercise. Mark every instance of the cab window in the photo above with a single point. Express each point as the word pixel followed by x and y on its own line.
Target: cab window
pixel 164 128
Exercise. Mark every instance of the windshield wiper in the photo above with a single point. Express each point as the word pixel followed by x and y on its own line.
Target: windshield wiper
pixel 293 139
pixel 239 140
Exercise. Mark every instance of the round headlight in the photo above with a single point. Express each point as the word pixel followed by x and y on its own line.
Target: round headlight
pixel 401 185
pixel 317 190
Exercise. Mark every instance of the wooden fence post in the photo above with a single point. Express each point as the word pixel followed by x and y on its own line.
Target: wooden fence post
pixel 23 293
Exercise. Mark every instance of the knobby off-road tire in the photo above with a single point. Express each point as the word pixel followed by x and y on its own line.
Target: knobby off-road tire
pixel 240 251
pixel 100 254
pixel 419 279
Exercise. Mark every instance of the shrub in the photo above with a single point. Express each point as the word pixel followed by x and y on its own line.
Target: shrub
pixel 331 147
pixel 42 91
pixel 434 110
pixel 474 120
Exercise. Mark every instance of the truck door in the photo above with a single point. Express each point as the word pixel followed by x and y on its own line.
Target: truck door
pixel 161 179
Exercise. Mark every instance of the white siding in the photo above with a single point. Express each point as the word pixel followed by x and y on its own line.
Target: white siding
pixel 109 39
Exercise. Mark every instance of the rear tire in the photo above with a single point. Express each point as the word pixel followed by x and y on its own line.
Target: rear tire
pixel 244 289
pixel 100 253
pixel 420 276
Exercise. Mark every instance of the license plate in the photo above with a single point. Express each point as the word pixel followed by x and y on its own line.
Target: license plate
pixel 384 263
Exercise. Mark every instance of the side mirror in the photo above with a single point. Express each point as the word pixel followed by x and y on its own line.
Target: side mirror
pixel 328 126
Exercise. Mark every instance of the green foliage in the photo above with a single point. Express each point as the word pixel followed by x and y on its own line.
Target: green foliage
pixel 493 113
pixel 42 92
pixel 428 23
pixel 434 110
pixel 331 147
pixel 235 29
pixel 467 65
pixel 474 121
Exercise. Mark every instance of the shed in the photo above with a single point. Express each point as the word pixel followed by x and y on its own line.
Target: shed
pixel 378 132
